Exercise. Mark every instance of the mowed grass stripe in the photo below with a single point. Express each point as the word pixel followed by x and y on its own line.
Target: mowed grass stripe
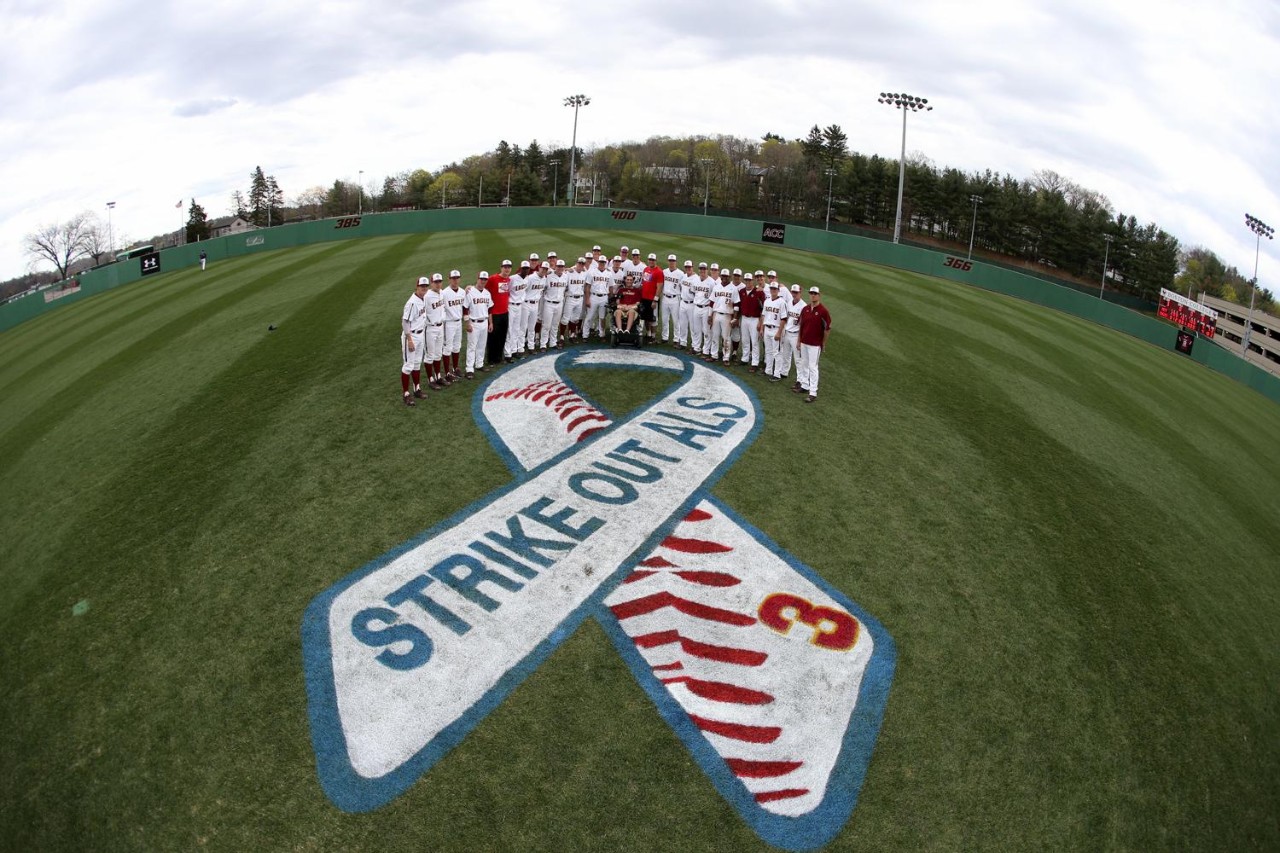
pixel 1077 658
pixel 94 380
pixel 87 329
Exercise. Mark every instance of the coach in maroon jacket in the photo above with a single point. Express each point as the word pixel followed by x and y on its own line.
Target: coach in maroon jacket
pixel 815 323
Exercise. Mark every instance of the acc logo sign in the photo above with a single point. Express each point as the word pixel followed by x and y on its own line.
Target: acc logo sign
pixel 774 681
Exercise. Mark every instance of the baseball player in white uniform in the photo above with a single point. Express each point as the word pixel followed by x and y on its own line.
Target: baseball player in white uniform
pixel 553 307
pixel 536 286
pixel 791 335
pixel 724 300
pixel 669 308
pixel 597 299
pixel 753 297
pixel 412 347
pixel 772 318
pixel 476 304
pixel 575 292
pixel 454 296
pixel 684 305
pixel 699 331
pixel 634 265
pixel 434 333
pixel 516 289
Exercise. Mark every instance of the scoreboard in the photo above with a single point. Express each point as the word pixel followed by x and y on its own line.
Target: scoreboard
pixel 1188 314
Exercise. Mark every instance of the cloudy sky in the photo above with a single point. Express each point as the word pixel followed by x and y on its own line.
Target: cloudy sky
pixel 1165 107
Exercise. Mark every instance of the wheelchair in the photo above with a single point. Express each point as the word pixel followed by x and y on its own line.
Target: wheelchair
pixel 619 337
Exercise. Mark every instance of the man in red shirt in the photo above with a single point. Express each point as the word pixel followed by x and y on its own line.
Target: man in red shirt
pixel 497 287
pixel 815 324
pixel 653 277
pixel 750 308
pixel 628 300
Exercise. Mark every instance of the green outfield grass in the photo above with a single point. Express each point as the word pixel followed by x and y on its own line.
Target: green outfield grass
pixel 1073 537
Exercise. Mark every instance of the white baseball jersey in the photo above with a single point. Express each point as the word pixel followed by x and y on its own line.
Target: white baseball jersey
pixel 516 290
pixel 477 302
pixel 701 291
pixel 723 298
pixel 453 299
pixel 686 287
pixel 556 285
pixel 600 281
pixel 793 316
pixel 434 300
pixel 633 267
pixel 575 284
pixel 774 312
pixel 671 280
pixel 411 319
pixel 619 276
pixel 534 286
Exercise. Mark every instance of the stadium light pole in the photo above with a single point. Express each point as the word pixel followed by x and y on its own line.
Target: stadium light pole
pixel 444 182
pixel 360 196
pixel 831 176
pixel 908 104
pixel 706 193
pixel 1106 253
pixel 555 182
pixel 575 101
pixel 111 236
pixel 1262 229
pixel 973 224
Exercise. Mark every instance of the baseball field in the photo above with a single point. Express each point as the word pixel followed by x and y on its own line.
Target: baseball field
pixel 1072 538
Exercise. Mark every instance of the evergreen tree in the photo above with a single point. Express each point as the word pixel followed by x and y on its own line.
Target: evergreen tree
pixel 197 223
pixel 258 192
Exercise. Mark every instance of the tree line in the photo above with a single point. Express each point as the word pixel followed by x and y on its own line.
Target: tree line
pixel 1044 220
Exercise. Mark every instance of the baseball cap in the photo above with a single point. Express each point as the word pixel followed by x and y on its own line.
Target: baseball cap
pixel 814 289
pixel 702 266
pixel 595 248
pixel 759 272
pixel 715 266
pixel 524 265
pixel 617 259
pixel 672 258
pixel 533 256
pixel 635 251
pixel 623 249
pixel 795 288
pixel 602 260
pixel 652 256
pixel 454 274
pixel 551 255
pixel 560 262
pixel 737 271
pixel 437 277
pixel 483 274
pixel 506 263
pixel 544 265
pixel 423 281
pixel 773 285
pixel 772 274
pixel 724 273
pixel 688 263
pixel 582 260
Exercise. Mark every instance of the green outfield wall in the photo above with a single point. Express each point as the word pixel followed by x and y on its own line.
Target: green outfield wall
pixel 911 258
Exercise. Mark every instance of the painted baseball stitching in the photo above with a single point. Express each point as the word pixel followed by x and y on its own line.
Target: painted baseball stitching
pixel 685 613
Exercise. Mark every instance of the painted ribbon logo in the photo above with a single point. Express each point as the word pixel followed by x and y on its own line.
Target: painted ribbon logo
pixel 774 681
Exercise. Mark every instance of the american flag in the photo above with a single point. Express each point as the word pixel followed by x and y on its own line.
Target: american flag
pixel 179 204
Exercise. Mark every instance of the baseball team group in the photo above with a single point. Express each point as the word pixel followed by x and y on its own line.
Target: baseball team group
pixel 716 313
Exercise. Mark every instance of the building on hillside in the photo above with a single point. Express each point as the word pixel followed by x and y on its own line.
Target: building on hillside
pixel 224 225
pixel 1264 340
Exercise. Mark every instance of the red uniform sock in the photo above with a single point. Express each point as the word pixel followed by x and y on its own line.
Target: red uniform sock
pixel 417 380
pixel 404 382
pixel 455 362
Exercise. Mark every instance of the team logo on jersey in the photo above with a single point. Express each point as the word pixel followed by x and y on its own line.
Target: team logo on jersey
pixel 775 681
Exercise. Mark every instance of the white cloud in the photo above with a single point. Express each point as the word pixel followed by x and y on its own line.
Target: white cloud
pixel 1163 107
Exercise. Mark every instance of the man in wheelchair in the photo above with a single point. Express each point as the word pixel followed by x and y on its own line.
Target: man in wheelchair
pixel 628 304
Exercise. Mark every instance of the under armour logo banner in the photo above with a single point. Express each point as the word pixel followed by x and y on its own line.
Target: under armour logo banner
pixel 774 680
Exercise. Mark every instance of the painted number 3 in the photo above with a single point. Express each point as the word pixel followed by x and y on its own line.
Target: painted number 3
pixel 832 629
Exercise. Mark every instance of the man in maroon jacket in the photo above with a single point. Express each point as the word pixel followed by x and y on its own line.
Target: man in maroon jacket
pixel 815 324
pixel 497 287
pixel 750 308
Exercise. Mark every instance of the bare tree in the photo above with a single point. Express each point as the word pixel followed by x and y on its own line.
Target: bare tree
pixel 61 244
pixel 95 240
